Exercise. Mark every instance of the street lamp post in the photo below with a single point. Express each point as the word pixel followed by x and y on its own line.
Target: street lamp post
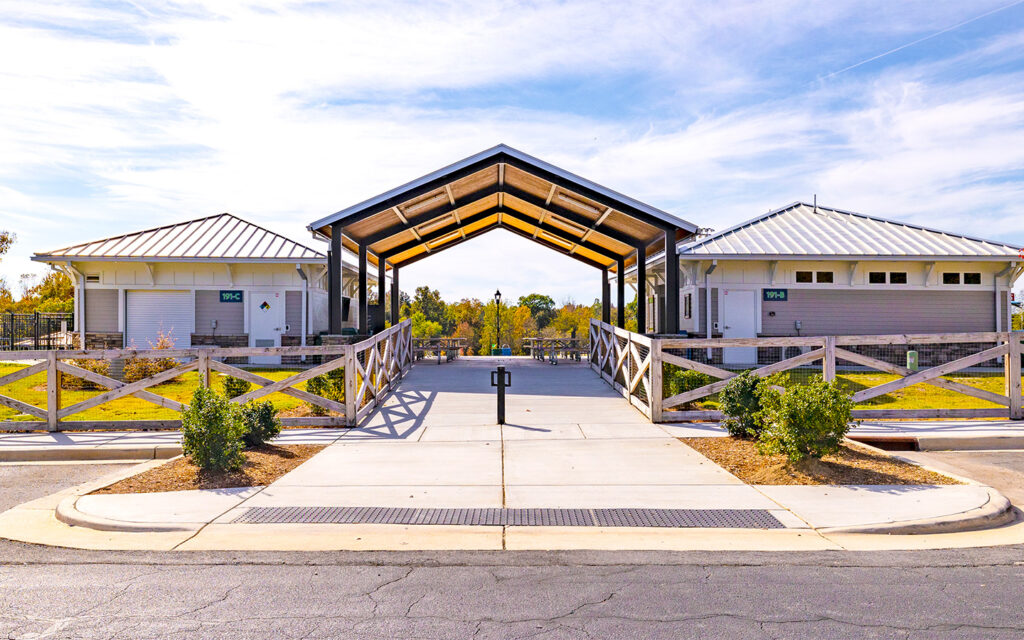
pixel 497 319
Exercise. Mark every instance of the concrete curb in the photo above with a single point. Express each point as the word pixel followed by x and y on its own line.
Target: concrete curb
pixel 962 442
pixel 995 513
pixel 90 453
pixel 68 513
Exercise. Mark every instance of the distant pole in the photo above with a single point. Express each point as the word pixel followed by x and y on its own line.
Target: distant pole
pixel 497 319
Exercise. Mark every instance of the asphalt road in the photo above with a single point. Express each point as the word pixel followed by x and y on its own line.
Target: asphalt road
pixel 61 593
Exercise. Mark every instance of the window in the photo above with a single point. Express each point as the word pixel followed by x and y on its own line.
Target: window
pixel 972 278
pixel 897 277
pixel 822 277
pixel 951 278
pixel 688 305
pixel 876 277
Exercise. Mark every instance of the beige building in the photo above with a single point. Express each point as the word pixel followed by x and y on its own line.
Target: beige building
pixel 218 280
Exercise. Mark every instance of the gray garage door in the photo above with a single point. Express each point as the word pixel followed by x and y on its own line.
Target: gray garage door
pixel 149 312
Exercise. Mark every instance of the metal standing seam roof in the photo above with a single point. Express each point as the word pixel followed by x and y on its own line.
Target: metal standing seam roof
pixel 222 237
pixel 514 153
pixel 800 229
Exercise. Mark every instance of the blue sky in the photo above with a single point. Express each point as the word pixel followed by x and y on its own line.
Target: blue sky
pixel 116 116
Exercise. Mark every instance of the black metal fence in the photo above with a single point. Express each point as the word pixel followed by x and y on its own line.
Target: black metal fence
pixel 23 331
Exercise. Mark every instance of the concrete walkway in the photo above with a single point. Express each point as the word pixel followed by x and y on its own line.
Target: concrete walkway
pixel 570 442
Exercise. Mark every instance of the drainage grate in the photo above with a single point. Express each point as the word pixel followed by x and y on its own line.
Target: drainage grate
pixel 704 518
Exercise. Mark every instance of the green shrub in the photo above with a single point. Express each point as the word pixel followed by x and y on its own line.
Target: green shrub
pixel 330 385
pixel 678 380
pixel 261 424
pixel 212 431
pixel 234 387
pixel 741 403
pixel 808 421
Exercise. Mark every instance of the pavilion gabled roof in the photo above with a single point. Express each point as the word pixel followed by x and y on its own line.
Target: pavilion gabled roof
pixel 506 188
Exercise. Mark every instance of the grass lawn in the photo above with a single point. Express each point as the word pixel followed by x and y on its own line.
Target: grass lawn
pixel 32 390
pixel 919 396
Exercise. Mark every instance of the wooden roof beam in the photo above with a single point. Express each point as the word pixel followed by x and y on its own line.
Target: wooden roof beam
pixel 451 207
pixel 571 216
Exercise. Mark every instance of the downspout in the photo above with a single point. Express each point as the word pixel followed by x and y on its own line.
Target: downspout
pixel 707 302
pixel 79 281
pixel 999 302
pixel 305 304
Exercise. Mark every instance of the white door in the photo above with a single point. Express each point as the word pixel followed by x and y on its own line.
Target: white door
pixel 266 322
pixel 739 320
pixel 148 313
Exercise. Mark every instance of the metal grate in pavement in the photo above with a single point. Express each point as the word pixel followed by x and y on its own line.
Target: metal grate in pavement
pixel 703 518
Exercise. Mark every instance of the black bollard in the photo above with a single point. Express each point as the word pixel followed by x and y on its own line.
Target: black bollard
pixel 501 379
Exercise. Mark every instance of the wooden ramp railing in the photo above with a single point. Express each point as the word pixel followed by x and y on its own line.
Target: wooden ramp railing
pixel 371 370
pixel 634 365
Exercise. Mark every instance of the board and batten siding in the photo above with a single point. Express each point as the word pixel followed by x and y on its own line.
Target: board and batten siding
pixel 230 316
pixel 101 307
pixel 700 304
pixel 293 313
pixel 857 311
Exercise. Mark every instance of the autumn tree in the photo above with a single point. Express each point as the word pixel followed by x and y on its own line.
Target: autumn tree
pixel 541 307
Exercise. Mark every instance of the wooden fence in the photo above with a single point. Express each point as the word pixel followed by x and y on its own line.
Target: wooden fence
pixel 633 364
pixel 372 368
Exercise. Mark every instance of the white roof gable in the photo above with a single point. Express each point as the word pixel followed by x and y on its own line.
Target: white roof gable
pixel 223 237
pixel 801 229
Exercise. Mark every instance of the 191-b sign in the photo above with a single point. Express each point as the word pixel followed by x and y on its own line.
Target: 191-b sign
pixel 775 295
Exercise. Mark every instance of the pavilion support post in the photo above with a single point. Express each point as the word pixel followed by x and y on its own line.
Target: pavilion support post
pixel 381 293
pixel 395 296
pixel 671 283
pixel 363 328
pixel 620 287
pixel 641 289
pixel 606 298
pixel 334 288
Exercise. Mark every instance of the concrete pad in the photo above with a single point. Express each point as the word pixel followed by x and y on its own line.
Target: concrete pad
pixel 38 526
pixel 664 539
pixel 462 433
pixel 730 496
pixel 594 431
pixel 400 463
pixel 609 462
pixel 343 537
pixel 847 506
pixel 178 507
pixel 378 496
pixel 519 431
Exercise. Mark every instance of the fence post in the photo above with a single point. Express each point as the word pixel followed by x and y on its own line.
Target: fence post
pixel 1012 370
pixel 351 402
pixel 657 393
pixel 828 359
pixel 204 368
pixel 52 392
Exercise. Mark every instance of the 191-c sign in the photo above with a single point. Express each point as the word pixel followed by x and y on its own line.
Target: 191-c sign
pixel 230 296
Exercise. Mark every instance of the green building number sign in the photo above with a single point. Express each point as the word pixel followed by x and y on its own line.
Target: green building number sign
pixel 775 295
pixel 230 296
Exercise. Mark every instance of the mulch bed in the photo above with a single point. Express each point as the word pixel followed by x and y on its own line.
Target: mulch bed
pixel 262 466
pixel 850 466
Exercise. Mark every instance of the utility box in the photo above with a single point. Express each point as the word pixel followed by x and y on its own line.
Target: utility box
pixel 912 360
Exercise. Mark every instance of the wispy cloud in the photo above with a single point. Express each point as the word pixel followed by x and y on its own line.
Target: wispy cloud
pixel 117 116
